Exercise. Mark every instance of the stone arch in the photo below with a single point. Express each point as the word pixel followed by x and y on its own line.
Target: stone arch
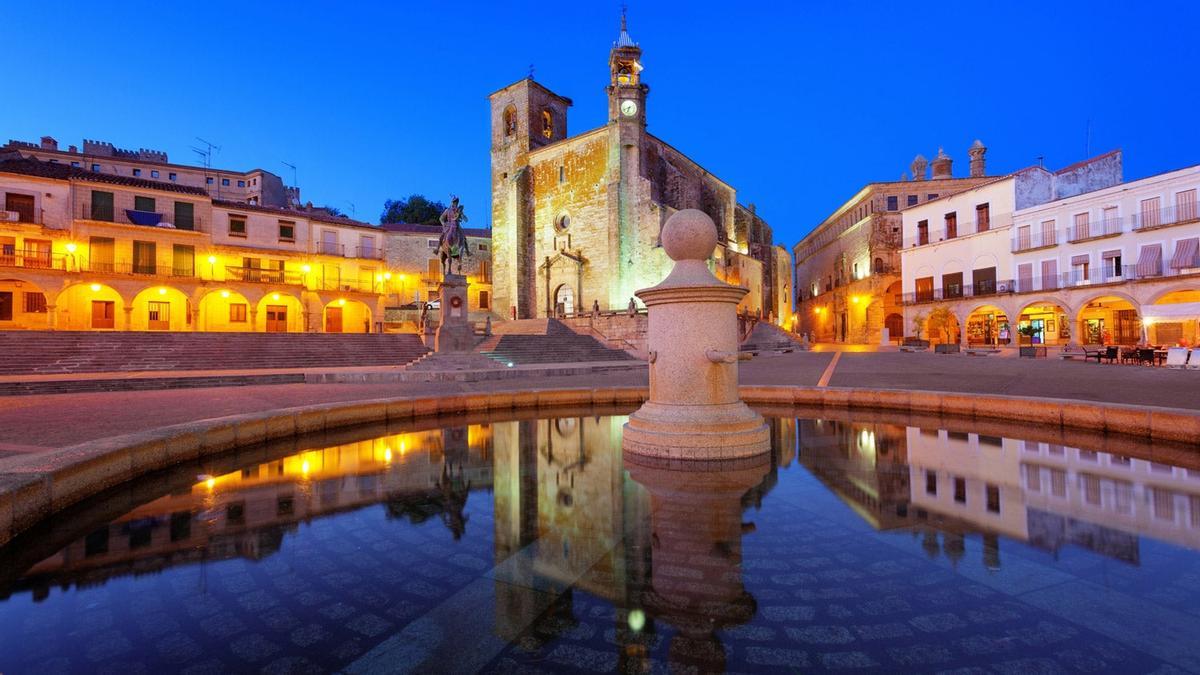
pixel 160 307
pixel 1159 294
pixel 346 315
pixel 952 266
pixel 216 311
pixel 279 311
pixel 564 295
pixel 508 120
pixel 1048 325
pixel 987 323
pixel 1117 323
pixel 19 304
pixel 985 260
pixel 75 307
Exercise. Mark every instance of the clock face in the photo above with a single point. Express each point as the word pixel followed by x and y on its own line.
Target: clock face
pixel 629 108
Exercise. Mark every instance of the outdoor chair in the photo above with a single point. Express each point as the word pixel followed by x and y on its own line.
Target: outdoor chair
pixel 1095 353
pixel 1194 360
pixel 1111 354
pixel 1128 354
pixel 1177 357
pixel 1145 356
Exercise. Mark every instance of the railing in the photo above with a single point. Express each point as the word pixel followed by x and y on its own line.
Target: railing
pixel 984 289
pixel 19 217
pixel 123 267
pixel 44 260
pixel 369 252
pixel 963 229
pixel 1171 215
pixel 352 285
pixel 117 215
pixel 260 275
pixel 326 248
pixel 1039 284
pixel 1107 227
pixel 1034 240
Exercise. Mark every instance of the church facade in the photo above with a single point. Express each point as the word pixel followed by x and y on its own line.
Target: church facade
pixel 576 219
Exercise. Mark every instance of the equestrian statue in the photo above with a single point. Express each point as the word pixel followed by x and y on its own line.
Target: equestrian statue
pixel 452 246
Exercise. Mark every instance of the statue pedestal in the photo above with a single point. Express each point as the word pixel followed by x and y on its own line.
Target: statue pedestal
pixel 454 333
pixel 694 410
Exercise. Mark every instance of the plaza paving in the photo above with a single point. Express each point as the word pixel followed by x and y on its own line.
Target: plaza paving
pixel 41 422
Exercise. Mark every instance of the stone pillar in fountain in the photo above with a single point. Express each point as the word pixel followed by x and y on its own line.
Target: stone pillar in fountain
pixel 454 332
pixel 694 411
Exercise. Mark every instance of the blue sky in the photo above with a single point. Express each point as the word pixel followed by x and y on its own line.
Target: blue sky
pixel 795 104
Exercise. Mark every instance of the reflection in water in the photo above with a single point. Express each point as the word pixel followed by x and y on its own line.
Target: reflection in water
pixel 589 558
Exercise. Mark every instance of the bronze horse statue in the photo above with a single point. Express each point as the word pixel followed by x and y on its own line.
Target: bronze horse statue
pixel 452 245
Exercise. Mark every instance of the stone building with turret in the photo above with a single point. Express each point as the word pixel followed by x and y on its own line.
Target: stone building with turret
pixel 576 219
pixel 847 281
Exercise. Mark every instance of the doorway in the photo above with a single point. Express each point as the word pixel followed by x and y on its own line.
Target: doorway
pixel 159 316
pixel 103 314
pixel 6 306
pixel 276 318
pixel 564 300
pixel 333 320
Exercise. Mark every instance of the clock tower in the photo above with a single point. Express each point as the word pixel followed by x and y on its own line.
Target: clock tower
pixel 626 93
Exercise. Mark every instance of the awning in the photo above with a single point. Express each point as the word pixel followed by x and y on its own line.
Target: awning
pixel 1149 262
pixel 1175 310
pixel 1080 259
pixel 1109 255
pixel 1185 253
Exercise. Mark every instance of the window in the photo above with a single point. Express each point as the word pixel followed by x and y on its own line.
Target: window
pixel 158 315
pixel 1048 236
pixel 952 225
pixel 208 180
pixel 1023 238
pixel 366 245
pixel 225 182
pixel 1150 214
pixel 485 272
pixel 1083 226
pixel 23 205
pixel 931 196
pixel 144 257
pixel 241 183
pixel 1112 264
pixel 983 217
pixel 237 313
pixel 329 242
pixel 483 247
pixel 924 289
pixel 154 173
pixel 35 303
pixel 547 124
pixel 485 301
pixel 287 230
pixel 930 481
pixel 952 285
pixel 992 493
pixel 183 260
pixel 137 172
pixel 1185 206
pixel 96 168
pixel 171 176
pixel 562 223
pixel 434 269
pixel 143 204
pixel 75 164
pixel 855 272
pixel 893 203
pixel 922 232
pixel 100 254
pixel 237 226
pixel 913 199
pixel 960 490
pixel 510 121
pixel 984 281
pixel 185 216
pixel 102 206
pixel 562 174
pixel 432 243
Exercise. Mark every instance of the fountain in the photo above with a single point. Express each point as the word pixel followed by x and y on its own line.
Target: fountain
pixel 694 411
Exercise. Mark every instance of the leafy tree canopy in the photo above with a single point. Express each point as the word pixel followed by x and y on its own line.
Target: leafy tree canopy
pixel 416 209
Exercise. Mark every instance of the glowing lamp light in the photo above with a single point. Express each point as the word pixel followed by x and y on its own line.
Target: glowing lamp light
pixel 210 483
pixel 304 467
pixel 637 620
pixel 212 259
pixel 510 364
pixel 95 287
pixel 341 301
pixel 306 268
pixel 71 247
pixel 162 291
pixel 388 276
pixel 401 277
pixel 403 447
pixel 387 454
pixel 224 294
pixel 378 277
pixel 274 296
pixel 854 299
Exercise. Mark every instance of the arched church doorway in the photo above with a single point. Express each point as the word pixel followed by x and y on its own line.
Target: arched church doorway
pixel 895 325
pixel 564 300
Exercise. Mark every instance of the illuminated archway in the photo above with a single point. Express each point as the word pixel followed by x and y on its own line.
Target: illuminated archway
pixel 90 306
pixel 161 308
pixel 224 310
pixel 989 325
pixel 1048 322
pixel 346 316
pixel 1174 318
pixel 23 304
pixel 279 312
pixel 1111 319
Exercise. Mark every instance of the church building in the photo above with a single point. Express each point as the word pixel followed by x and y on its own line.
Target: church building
pixel 576 219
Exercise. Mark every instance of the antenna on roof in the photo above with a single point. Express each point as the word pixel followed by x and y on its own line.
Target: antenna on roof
pixel 1041 161
pixel 1087 146
pixel 531 71
pixel 293 168
pixel 206 157
pixel 353 211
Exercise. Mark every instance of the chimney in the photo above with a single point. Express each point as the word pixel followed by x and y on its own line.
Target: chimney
pixel 48 143
pixel 72 149
pixel 941 165
pixel 918 167
pixel 977 151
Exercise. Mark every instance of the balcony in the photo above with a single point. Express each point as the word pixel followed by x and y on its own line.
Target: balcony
pixel 258 275
pixel 983 289
pixel 152 219
pixel 349 285
pixel 1031 241
pixel 330 248
pixel 1172 215
pixel 42 260
pixel 368 252
pixel 964 229
pixel 23 216
pixel 1109 227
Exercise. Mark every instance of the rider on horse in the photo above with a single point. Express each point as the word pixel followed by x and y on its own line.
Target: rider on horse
pixel 453 243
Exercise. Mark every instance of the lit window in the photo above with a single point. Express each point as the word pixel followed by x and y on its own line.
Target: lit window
pixel 510 121
pixel 547 124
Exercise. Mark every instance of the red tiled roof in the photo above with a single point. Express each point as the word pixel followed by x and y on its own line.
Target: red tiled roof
pixel 293 213
pixel 33 167
pixel 418 228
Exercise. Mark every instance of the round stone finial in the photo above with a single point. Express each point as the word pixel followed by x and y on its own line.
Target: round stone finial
pixel 689 235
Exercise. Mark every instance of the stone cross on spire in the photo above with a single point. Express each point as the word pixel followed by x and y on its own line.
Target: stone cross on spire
pixel 624 40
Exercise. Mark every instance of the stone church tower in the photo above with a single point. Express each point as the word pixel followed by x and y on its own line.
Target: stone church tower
pixel 577 219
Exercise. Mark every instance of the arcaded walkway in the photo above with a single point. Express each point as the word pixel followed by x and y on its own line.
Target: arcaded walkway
pixel 34 423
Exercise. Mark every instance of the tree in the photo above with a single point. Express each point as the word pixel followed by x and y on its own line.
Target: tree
pixel 941 319
pixel 416 209
pixel 918 323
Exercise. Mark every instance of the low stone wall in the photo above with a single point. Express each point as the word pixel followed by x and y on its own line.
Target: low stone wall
pixel 33 487
pixel 619 331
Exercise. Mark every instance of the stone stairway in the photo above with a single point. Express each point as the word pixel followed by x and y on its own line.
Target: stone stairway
pixel 531 341
pixel 767 337
pixel 43 352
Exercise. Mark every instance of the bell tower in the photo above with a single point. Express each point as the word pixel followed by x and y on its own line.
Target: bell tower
pixel 626 93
